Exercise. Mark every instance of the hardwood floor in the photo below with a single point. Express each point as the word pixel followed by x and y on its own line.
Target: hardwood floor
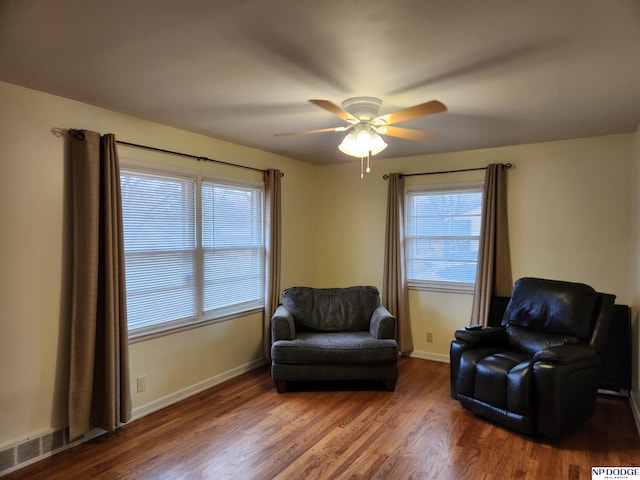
pixel 244 430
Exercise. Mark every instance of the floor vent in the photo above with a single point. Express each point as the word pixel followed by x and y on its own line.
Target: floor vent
pixel 32 449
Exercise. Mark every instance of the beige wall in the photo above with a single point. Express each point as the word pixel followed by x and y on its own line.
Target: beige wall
pixel 570 210
pixel 635 302
pixel 34 261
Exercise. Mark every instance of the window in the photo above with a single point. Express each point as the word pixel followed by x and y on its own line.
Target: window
pixel 442 237
pixel 194 249
pixel 232 241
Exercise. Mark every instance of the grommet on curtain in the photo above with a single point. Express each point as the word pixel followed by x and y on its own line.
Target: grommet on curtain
pixel 75 133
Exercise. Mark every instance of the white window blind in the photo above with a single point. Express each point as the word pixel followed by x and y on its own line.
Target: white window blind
pixel 194 249
pixel 442 236
pixel 232 243
pixel 160 247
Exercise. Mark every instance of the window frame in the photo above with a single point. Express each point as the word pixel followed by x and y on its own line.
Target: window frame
pixel 438 285
pixel 200 318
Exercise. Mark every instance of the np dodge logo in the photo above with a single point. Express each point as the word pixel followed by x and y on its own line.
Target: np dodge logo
pixel 615 473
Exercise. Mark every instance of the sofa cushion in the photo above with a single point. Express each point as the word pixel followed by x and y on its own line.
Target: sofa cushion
pixel 332 309
pixel 355 348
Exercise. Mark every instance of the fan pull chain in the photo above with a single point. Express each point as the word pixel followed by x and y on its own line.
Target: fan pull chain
pixel 365 170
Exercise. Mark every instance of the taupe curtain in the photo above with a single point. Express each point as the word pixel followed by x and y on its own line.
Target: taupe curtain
pixel 493 276
pixel 99 393
pixel 395 296
pixel 272 189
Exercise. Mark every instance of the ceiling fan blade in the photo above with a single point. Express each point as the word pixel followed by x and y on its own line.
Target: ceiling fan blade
pixel 427 108
pixel 408 134
pixel 334 109
pixel 321 130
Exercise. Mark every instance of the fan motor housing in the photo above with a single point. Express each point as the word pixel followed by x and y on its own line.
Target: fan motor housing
pixel 362 108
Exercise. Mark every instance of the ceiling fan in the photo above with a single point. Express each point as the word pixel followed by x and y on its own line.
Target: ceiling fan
pixel 366 125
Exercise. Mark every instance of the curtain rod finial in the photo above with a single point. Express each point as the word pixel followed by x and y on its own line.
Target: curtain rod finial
pixel 507 166
pixel 387 176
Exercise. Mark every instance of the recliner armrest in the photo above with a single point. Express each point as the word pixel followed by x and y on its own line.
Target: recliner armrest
pixel 282 325
pixel 566 354
pixel 485 337
pixel 383 324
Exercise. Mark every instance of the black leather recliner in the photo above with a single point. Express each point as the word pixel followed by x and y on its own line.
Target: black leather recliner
pixel 538 372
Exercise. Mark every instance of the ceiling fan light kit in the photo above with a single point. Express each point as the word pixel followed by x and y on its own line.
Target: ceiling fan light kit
pixel 366 125
pixel 362 142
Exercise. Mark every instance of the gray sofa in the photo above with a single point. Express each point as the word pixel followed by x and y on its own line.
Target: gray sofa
pixel 333 334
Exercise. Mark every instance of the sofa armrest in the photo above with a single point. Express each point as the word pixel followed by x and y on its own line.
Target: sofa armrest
pixel 485 337
pixel 282 325
pixel 383 324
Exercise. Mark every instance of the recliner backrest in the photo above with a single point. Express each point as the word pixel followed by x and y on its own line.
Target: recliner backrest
pixel 544 313
pixel 332 309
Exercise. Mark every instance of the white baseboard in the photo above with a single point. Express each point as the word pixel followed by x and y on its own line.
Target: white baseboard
pixel 175 397
pixel 436 357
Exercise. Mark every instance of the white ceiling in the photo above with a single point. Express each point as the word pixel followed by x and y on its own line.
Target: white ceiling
pixel 509 71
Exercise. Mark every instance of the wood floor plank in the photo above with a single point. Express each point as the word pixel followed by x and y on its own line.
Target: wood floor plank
pixel 244 430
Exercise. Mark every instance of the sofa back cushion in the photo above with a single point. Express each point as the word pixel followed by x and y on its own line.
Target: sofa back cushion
pixel 564 309
pixel 332 309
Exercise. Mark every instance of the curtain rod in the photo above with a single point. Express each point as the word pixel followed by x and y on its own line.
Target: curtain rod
pixel 504 165
pixel 80 136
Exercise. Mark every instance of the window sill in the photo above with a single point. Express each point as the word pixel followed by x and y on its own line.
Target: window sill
pixel 172 328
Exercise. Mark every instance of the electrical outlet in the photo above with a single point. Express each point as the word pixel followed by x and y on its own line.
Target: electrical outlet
pixel 429 337
pixel 142 383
